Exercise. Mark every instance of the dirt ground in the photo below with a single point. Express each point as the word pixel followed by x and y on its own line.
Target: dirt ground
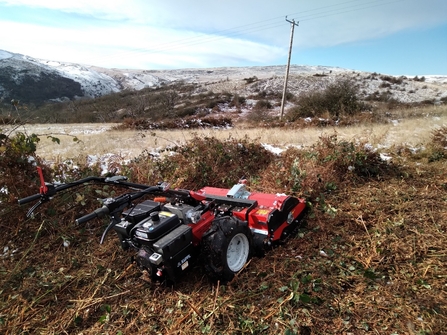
pixel 371 260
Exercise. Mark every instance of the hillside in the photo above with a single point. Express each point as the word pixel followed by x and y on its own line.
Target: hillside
pixel 369 258
pixel 37 81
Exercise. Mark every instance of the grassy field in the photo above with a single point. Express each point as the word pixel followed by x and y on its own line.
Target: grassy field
pixel 100 139
pixel 371 258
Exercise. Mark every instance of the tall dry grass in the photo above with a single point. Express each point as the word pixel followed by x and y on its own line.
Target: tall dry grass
pixel 100 139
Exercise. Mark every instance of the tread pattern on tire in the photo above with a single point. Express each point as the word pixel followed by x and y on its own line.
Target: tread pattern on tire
pixel 215 243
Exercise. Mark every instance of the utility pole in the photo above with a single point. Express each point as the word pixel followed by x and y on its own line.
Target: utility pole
pixel 283 101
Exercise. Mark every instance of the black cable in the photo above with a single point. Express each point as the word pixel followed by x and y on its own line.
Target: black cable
pixel 320 12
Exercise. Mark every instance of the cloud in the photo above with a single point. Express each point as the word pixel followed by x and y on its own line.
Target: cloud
pixel 357 22
pixel 321 21
pixel 134 46
pixel 199 33
pixel 104 9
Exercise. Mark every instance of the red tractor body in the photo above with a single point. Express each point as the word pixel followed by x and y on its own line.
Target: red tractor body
pixel 220 227
pixel 270 215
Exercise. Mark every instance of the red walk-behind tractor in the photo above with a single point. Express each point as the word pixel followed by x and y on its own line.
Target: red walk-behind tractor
pixel 170 228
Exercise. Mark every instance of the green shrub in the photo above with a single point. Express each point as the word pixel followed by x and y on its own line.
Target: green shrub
pixel 393 80
pixel 237 101
pixel 324 167
pixel 251 80
pixel 339 98
pixel 308 105
pixel 421 79
pixel 438 145
pixel 6 119
pixel 183 112
pixel 209 161
pixel 262 104
pixel 17 164
pixel 257 116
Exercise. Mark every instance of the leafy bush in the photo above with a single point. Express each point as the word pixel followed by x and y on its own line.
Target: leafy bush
pixel 7 119
pixel 251 80
pixel 421 79
pixel 327 164
pixel 260 113
pixel 205 161
pixel 237 101
pixel 17 164
pixel 339 98
pixel 185 123
pixel 183 112
pixel 438 150
pixel 257 117
pixel 393 80
pixel 263 104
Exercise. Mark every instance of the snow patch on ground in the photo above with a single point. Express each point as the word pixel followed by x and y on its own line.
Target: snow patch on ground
pixel 271 148
pixel 436 79
pixel 109 163
pixel 385 157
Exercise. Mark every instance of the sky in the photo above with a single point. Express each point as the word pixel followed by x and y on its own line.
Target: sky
pixel 396 37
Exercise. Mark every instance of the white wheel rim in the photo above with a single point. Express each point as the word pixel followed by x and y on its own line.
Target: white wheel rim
pixel 237 252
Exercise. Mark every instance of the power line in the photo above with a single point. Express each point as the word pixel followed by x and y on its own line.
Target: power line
pixel 194 41
pixel 361 2
pixel 342 11
pixel 316 13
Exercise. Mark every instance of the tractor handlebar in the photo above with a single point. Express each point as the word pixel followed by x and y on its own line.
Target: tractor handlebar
pixel 98 213
pixel 116 205
pixel 111 206
pixel 31 198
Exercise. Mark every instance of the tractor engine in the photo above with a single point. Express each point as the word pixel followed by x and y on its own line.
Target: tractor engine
pixel 161 236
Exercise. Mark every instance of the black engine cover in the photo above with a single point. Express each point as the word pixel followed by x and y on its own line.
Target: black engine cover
pixel 171 244
pixel 141 211
pixel 155 226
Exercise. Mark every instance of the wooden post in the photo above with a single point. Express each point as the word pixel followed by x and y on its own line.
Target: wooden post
pixel 283 101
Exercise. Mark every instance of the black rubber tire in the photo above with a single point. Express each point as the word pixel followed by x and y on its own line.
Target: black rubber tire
pixel 226 248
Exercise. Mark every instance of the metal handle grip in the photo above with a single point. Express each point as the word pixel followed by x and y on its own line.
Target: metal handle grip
pixel 31 198
pixel 98 213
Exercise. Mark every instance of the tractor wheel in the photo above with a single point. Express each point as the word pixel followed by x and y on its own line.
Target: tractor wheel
pixel 226 248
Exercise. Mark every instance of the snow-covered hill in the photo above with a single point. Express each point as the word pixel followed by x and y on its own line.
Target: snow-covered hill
pixel 26 78
pixel 20 70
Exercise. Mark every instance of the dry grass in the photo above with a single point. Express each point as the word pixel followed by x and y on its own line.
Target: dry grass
pixel 371 259
pixel 100 139
pixel 378 266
